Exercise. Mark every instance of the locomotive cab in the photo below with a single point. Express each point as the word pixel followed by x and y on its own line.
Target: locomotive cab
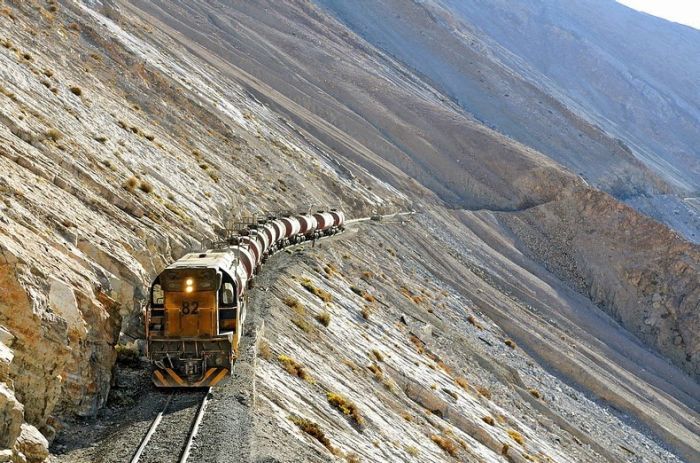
pixel 193 322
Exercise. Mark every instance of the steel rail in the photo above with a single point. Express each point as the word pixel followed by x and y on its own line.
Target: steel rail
pixel 195 427
pixel 152 429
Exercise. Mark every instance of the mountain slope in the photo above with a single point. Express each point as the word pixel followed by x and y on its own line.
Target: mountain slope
pixel 132 131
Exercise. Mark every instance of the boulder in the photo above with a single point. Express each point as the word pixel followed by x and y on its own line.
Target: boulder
pixel 5 455
pixel 32 444
pixel 11 417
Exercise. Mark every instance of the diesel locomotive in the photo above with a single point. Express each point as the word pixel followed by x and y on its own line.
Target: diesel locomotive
pixel 197 306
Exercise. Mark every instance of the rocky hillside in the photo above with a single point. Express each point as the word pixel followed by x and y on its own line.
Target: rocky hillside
pixel 521 315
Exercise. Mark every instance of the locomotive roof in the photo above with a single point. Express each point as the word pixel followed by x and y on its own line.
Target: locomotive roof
pixel 224 259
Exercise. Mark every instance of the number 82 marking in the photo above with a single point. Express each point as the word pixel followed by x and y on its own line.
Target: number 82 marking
pixel 190 308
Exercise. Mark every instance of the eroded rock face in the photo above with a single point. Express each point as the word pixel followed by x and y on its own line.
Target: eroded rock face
pixel 642 273
pixel 11 417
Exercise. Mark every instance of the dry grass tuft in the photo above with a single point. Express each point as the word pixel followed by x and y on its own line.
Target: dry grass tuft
pixel 146 187
pixel 366 312
pixel 264 350
pixel 131 184
pixel 346 406
pixel 294 304
pixel 510 343
pixel 324 318
pixel 413 451
pixel 535 393
pixel 445 443
pixel 516 436
pixel 294 368
pixel 302 324
pixel 313 430
pixel 484 392
pixel 473 321
pixel 462 382
pixel 321 294
pixel 54 134
pixel 378 355
pixel 75 90
pixel 488 420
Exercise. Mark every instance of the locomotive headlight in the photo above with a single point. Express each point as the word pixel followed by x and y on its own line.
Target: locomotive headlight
pixel 189 285
pixel 189 289
pixel 189 282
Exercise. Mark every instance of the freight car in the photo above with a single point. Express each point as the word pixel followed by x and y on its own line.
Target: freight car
pixel 197 305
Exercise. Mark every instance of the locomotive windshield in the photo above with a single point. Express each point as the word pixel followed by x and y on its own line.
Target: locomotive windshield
pixel 189 279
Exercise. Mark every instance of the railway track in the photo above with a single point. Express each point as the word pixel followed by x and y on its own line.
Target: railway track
pixel 170 436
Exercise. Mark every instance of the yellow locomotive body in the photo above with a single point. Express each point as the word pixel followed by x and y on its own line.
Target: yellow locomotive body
pixel 194 320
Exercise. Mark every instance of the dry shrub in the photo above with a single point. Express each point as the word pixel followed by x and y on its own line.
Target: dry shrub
pixel 510 343
pixel 366 311
pixel 488 420
pixel 294 304
pixel 75 90
pixel 101 139
pixel 313 430
pixel 146 187
pixel 407 416
pixel 378 355
pixel 445 443
pixel 321 294
pixel 484 391
pixel 131 183
pixel 264 350
pixel 324 318
pixel 472 320
pixel 54 134
pixel 302 325
pixel 516 436
pixel 413 451
pixel 376 371
pixel 294 368
pixel 350 364
pixel 352 458
pixel 369 298
pixel 535 393
pixel 462 382
pixel 74 27
pixel 366 276
pixel 346 406
pixel 357 291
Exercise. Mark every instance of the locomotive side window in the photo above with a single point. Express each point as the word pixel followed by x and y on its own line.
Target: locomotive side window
pixel 157 295
pixel 227 295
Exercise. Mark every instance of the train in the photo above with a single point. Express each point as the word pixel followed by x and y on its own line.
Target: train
pixel 197 305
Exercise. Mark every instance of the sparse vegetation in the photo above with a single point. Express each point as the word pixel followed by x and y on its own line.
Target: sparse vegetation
pixel 413 451
pixel 445 443
pixel 131 184
pixel 366 311
pixel 510 343
pixel 264 350
pixel 535 393
pixel 324 318
pixel 54 134
pixel 302 325
pixel 484 392
pixel 378 355
pixel 321 294
pixel 294 304
pixel 100 138
pixel 346 407
pixel 516 436
pixel 313 430
pixel 146 187
pixel 488 420
pixel 473 321
pixel 75 90
pixel 462 382
pixel 294 368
